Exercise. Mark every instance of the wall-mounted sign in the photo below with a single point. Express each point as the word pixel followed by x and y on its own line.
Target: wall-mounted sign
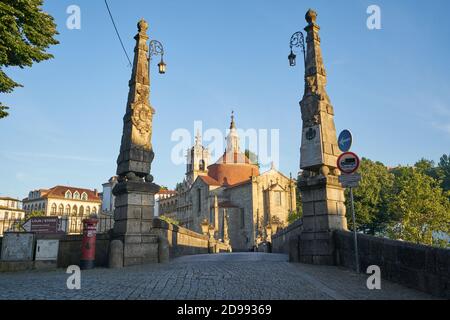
pixel 45 225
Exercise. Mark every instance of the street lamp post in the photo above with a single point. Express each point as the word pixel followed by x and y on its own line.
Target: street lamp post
pixel 156 48
pixel 297 40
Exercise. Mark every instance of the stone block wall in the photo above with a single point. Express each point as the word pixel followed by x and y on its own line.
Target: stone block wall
pixel 69 252
pixel 287 240
pixel 175 241
pixel 416 266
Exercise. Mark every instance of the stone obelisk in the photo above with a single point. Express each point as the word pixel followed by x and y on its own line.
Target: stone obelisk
pixel 322 194
pixel 134 203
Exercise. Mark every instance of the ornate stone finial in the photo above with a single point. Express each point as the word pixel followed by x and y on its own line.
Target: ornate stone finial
pixel 142 25
pixel 311 16
pixel 232 124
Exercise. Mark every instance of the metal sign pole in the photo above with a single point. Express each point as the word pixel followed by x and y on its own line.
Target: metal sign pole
pixel 354 230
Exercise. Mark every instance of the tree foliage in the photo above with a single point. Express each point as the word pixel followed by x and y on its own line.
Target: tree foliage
pixel 371 198
pixel 419 207
pixel 252 157
pixel 25 34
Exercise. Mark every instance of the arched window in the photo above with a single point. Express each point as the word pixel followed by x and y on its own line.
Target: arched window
pixel 68 194
pixel 81 212
pixel 40 206
pixel 74 210
pixel 76 195
pixel 61 210
pixel 201 165
pixel 6 215
pixel 67 210
pixel 88 210
pixel 53 212
pixel 94 210
pixel 84 196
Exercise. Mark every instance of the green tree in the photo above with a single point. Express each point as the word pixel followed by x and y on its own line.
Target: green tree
pixel 252 157
pixel 444 166
pixel 25 34
pixel 420 208
pixel 371 198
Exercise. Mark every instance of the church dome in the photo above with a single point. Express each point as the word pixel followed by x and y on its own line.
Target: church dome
pixel 232 168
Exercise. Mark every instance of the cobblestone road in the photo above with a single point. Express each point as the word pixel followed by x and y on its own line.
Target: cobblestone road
pixel 221 276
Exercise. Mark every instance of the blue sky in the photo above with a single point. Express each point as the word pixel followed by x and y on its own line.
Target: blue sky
pixel 390 87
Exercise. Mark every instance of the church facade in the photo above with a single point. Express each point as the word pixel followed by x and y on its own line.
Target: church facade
pixel 245 207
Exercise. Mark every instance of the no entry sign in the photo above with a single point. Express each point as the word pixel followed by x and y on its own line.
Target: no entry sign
pixel 348 162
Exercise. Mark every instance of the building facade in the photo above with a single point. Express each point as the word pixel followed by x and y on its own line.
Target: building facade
pixel 63 201
pixel 10 210
pixel 243 206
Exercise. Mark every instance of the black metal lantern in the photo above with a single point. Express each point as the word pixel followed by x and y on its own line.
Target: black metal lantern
pixel 297 40
pixel 156 48
pixel 292 58
pixel 162 66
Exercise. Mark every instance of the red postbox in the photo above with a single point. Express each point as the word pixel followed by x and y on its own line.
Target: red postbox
pixel 88 244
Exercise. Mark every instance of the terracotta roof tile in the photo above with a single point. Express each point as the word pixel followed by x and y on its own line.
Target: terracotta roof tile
pixel 210 181
pixel 60 191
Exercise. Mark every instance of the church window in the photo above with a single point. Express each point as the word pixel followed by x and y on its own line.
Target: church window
pixel 201 165
pixel 199 197
pixel 242 216
pixel 278 196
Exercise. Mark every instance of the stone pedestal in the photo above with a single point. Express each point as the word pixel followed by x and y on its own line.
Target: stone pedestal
pixel 133 214
pixel 323 211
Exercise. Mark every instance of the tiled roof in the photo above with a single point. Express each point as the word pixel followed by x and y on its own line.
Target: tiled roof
pixel 167 192
pixel 9 198
pixel 210 181
pixel 60 191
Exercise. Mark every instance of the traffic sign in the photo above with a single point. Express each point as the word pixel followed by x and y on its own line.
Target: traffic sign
pixel 348 162
pixel 350 180
pixel 345 140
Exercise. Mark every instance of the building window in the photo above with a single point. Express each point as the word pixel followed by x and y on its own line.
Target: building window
pixel 199 197
pixel 94 210
pixel 84 196
pixel 242 214
pixel 67 210
pixel 13 215
pixel 278 196
pixel 76 195
pixel 6 215
pixel 88 210
pixel 61 210
pixel 68 194
pixel 81 211
pixel 201 165
pixel 74 211
pixel 53 212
